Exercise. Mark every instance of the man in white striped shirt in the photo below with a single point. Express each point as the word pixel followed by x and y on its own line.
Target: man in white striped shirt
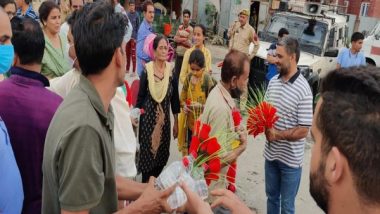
pixel 290 93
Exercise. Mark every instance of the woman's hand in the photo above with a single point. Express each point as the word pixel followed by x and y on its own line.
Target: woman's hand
pixel 186 109
pixel 175 128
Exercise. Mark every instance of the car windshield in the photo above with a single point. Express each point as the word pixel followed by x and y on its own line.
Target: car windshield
pixel 310 36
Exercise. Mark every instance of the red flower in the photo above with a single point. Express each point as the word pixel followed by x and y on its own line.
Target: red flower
pixel 213 170
pixel 204 132
pixel 188 102
pixel 194 145
pixel 211 177
pixel 205 167
pixel 185 161
pixel 214 165
pixel 232 188
pixel 236 116
pixel 212 146
pixel 231 173
pixel 194 154
pixel 269 113
pixel 197 126
pixel 142 111
pixel 261 117
pixel 203 147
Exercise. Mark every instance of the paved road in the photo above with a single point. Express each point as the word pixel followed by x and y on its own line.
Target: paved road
pixel 250 172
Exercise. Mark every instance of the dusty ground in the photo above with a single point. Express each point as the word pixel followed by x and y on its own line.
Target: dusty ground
pixel 250 173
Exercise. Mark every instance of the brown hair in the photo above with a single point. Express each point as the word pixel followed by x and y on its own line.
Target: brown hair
pixel 146 4
pixel 349 119
pixel 45 9
pixel 233 65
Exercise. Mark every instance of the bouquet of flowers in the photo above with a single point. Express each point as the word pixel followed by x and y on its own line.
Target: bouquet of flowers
pixel 205 151
pixel 203 164
pixel 261 114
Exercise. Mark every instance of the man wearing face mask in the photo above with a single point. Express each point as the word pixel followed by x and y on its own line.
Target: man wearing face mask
pixel 12 194
pixel 241 35
pixel 29 107
pixel 290 94
pixel 220 104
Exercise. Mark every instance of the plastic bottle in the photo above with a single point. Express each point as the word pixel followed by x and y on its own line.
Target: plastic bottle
pixel 170 175
pixel 137 112
pixel 177 172
pixel 201 188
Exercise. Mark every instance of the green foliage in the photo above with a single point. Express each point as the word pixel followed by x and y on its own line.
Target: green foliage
pixel 210 12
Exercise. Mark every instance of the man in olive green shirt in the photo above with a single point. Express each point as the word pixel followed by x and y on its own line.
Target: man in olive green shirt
pixel 79 154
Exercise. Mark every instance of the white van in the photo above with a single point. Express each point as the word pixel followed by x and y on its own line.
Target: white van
pixel 371 46
pixel 318 52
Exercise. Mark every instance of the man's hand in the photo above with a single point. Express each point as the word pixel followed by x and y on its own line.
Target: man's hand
pixel 272 134
pixel 232 156
pixel 187 43
pixel 135 122
pixel 194 204
pixel 230 201
pixel 152 200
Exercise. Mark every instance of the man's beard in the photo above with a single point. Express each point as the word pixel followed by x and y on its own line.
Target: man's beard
pixel 236 93
pixel 283 69
pixel 318 187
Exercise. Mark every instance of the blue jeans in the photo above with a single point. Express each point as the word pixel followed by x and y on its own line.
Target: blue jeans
pixel 281 186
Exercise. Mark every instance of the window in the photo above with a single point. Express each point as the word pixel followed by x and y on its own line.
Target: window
pixel 331 40
pixel 364 9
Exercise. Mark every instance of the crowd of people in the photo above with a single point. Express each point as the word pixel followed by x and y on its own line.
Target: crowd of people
pixel 68 139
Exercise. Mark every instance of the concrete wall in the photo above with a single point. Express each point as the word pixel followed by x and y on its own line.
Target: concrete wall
pixel 365 24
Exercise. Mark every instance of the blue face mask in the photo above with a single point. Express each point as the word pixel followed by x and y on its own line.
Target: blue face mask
pixel 6 57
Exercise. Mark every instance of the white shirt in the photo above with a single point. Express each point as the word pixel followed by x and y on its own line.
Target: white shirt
pixel 124 137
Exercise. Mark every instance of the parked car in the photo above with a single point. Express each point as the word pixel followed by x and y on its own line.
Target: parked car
pixel 318 52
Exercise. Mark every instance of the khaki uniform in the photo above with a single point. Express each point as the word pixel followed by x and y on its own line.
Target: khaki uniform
pixel 241 37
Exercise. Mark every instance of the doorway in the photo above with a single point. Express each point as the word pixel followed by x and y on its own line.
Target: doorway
pixel 254 14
